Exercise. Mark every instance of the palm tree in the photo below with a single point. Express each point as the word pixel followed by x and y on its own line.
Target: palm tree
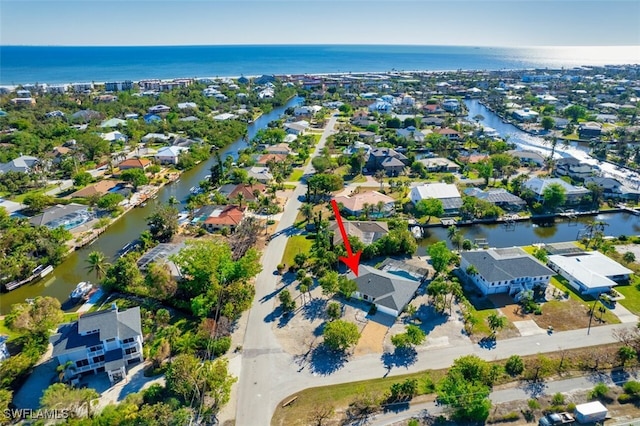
pixel 380 205
pixel 366 210
pixel 97 263
pixel 66 371
pixel 240 199
pixel 307 211
pixel 379 176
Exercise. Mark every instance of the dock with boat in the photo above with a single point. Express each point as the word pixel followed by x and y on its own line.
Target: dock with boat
pixel 40 272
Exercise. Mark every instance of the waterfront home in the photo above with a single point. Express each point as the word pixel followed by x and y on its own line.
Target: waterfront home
pixel 118 86
pixel 357 146
pixel 439 164
pixel 103 341
pixel 307 110
pixel 281 148
pixel 82 87
pixel 527 157
pixel 447 193
pixel 296 128
pixel 388 292
pixel 432 109
pixel 589 273
pixel 452 135
pixel 525 115
pixel 573 194
pixel 169 154
pixel 247 192
pixel 261 174
pixel 263 160
pixel 589 130
pixel 614 189
pixel 411 134
pixel 366 202
pixel 162 254
pixel 97 189
pixel 135 163
pixel 215 218
pixel 499 197
pixel 451 105
pixel 573 168
pixel 504 270
pixel 225 116
pixel 432 121
pixel 68 216
pixel 387 159
pixel 366 231
pixel 24 164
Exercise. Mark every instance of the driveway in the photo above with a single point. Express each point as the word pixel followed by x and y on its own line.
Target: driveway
pixel 42 377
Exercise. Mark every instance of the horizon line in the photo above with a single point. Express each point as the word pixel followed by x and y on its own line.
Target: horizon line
pixel 323 44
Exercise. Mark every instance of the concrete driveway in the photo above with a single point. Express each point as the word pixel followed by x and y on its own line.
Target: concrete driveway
pixel 42 377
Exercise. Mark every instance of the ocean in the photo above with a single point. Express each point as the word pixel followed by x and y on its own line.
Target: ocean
pixel 48 64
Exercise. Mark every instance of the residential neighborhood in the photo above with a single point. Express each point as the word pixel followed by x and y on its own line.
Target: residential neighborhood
pixel 485 211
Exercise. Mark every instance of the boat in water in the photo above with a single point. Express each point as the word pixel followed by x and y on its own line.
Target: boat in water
pixel 82 289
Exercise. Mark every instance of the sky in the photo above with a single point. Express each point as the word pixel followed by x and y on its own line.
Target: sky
pixel 514 23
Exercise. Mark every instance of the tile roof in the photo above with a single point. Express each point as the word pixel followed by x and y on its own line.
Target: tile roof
pixel 356 202
pixel 99 188
pixel 225 215
pixel 135 163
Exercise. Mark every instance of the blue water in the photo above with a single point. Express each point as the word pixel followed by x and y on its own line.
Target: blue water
pixel 46 64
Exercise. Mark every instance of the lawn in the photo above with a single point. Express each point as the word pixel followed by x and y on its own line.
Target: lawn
pixel 296 244
pixel 631 295
pixel 340 395
pixel 20 198
pixel 296 175
pixel 4 330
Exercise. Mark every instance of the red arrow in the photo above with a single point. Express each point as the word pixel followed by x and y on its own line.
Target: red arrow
pixel 352 260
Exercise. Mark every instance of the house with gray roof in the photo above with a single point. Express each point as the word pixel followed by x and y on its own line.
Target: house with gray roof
pixel 390 160
pixel 69 216
pixel 103 341
pixel 24 164
pixel 504 270
pixel 367 231
pixel 499 197
pixel 614 189
pixel 573 194
pixel 389 292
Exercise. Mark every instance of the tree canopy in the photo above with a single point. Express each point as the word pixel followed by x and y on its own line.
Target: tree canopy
pixel 340 335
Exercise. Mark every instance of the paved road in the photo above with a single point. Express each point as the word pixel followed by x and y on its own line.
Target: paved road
pixel 518 393
pixel 264 365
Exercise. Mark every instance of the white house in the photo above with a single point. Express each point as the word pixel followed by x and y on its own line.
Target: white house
pixel 505 270
pixel 445 192
pixel 390 293
pixel 573 193
pixel 381 106
pixel 114 136
pixel 525 115
pixel 297 128
pixel 589 273
pixel 107 340
pixel 307 110
pixel 169 154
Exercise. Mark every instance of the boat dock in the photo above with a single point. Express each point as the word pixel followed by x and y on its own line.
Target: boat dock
pixel 39 272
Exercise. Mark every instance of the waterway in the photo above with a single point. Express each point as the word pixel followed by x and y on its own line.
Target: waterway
pixel 527 232
pixel 72 270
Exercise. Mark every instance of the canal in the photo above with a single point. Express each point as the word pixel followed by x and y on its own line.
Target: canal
pixel 72 270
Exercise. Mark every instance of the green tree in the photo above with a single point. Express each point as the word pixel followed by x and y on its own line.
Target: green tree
pixel 97 264
pixel 38 202
pixel 575 112
pixel 334 311
pixel 514 365
pixel 429 207
pixel 92 145
pixel 136 177
pixel 413 336
pixel 554 195
pixel 287 303
pixel 62 397
pixel 110 201
pixel 629 257
pixel 496 322
pixel 340 335
pixel 163 223
pixel 547 123
pixel 82 179
pixel 346 287
pixel 37 318
pixel 440 256
pixel 329 282
pixel 626 354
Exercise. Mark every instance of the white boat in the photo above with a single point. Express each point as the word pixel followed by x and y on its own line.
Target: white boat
pixel 81 290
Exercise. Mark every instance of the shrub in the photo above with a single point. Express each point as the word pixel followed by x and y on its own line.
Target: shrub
pixel 533 404
pixel 221 345
pixel 599 391
pixel 514 365
pixel 625 398
pixel 509 417
pixel 571 407
pixel 558 399
pixel 632 388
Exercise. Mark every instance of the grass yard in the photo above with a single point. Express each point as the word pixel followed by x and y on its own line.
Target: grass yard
pixel 20 198
pixel 631 295
pixel 4 330
pixel 340 395
pixel 296 244
pixel 296 175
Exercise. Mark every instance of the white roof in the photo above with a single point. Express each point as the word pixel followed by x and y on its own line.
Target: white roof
pixel 224 116
pixel 591 269
pixel 590 408
pixel 538 185
pixel 436 190
pixel 171 151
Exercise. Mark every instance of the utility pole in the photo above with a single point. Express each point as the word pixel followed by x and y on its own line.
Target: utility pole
pixel 593 308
